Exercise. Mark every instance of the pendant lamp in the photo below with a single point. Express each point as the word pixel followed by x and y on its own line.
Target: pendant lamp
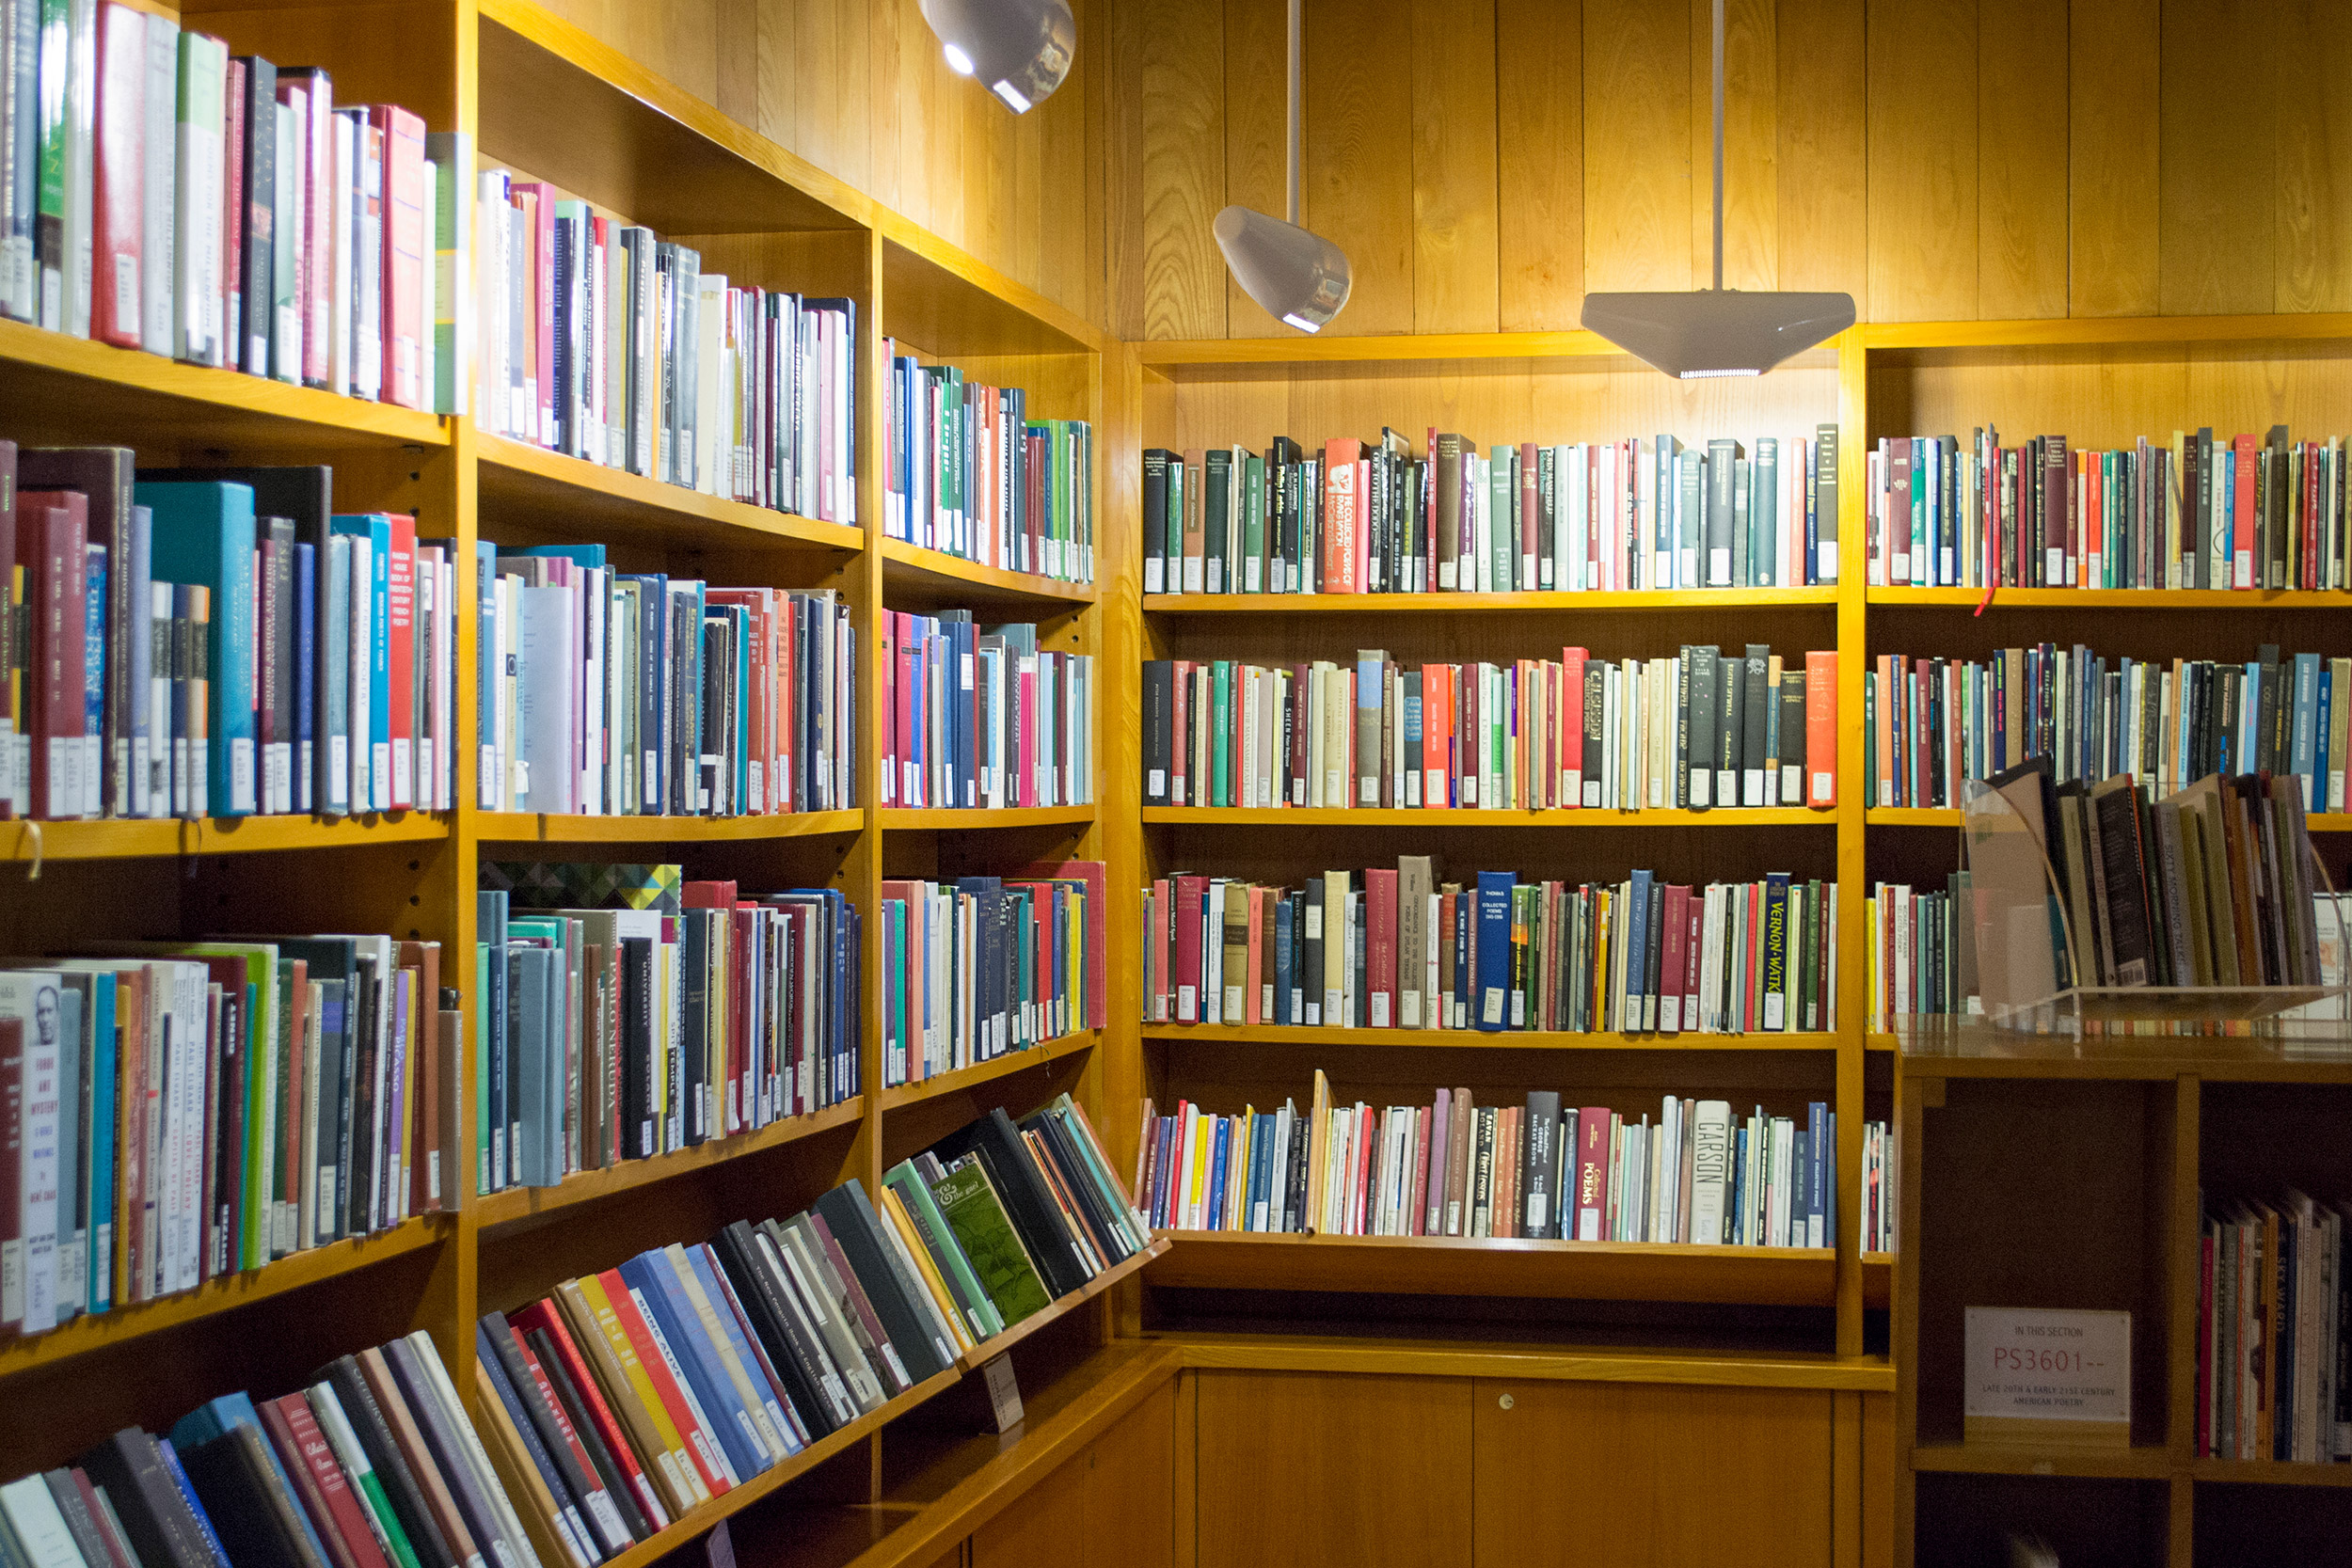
pixel 1717 331
pixel 1300 277
pixel 1022 49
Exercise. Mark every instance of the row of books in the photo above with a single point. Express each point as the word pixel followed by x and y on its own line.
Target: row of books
pixel 628 1398
pixel 1703 728
pixel 1933 723
pixel 2214 885
pixel 173 1112
pixel 620 694
pixel 373 1464
pixel 967 471
pixel 2274 1332
pixel 216 641
pixel 617 1028
pixel 1403 948
pixel 607 342
pixel 2243 512
pixel 984 965
pixel 984 717
pixel 1370 517
pixel 1542 1171
pixel 225 210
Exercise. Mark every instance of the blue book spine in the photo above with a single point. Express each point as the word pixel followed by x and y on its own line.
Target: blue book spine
pixel 2324 765
pixel 236 1410
pixel 371 731
pixel 101 1145
pixel 1409 783
pixel 142 800
pixel 203 536
pixel 306 676
pixel 203 1521
pixel 697 1258
pixel 1223 1147
pixel 740 620
pixel 2306 721
pixel 95 769
pixel 1816 1173
pixel 1283 1011
pixel 1637 951
pixel 338 663
pixel 1494 950
pixel 658 1292
pixel 490 929
pixel 487 789
pixel 1735 1210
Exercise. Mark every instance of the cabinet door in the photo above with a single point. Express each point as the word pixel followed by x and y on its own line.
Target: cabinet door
pixel 1636 1474
pixel 1317 1469
pixel 1107 1507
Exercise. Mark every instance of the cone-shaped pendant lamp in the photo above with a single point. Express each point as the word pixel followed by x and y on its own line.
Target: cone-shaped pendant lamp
pixel 1717 331
pixel 1020 49
pixel 1299 277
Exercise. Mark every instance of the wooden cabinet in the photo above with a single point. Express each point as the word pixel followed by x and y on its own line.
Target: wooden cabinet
pixel 1636 1473
pixel 1107 1507
pixel 1316 1469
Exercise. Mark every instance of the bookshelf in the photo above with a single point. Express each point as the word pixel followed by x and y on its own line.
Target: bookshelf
pixel 543 97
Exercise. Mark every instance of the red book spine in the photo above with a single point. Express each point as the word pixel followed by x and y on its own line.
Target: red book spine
pixel 1592 1173
pixel 233 217
pixel 1381 946
pixel 51 536
pixel 1339 454
pixel 1670 1019
pixel 541 1314
pixel 1163 919
pixel 1181 771
pixel 400 612
pixel 345 1522
pixel 405 252
pixel 1416 1209
pixel 1190 891
pixel 115 297
pixel 700 1445
pixel 2309 539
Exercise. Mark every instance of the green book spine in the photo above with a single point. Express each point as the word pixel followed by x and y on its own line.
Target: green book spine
pixel 973 1212
pixel 1220 732
pixel 482 1066
pixel 946 1249
pixel 1253 525
pixel 1502 507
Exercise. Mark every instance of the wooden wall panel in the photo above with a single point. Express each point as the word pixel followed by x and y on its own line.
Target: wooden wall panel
pixel 1637 176
pixel 2218 164
pixel 1641 1473
pixel 1455 251
pixel 1355 182
pixel 1751 118
pixel 2112 162
pixel 2315 127
pixel 1823 166
pixel 1539 165
pixel 2021 158
pixel 1184 169
pixel 1922 99
pixel 1309 1469
pixel 1256 134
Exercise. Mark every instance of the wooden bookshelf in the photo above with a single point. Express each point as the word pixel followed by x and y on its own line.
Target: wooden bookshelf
pixel 523 827
pixel 523 483
pixel 1373 817
pixel 963 818
pixel 24 841
pixel 1972 599
pixel 956 1080
pixel 1678 599
pixel 1480 1040
pixel 908 566
pixel 1456 1265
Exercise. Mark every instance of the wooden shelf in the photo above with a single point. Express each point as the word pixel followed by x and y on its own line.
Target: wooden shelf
pixel 523 827
pixel 1878 1278
pixel 24 841
pixel 2106 599
pixel 1451 1265
pixel 697 1522
pixel 1207 358
pixel 59 387
pixel 1479 1039
pixel 906 818
pixel 988 1350
pixel 548 491
pixel 225 1293
pixel 1948 818
pixel 513 1206
pixel 1408 817
pixel 2150 1462
pixel 2322 1055
pixel 954 303
pixel 1538 1362
pixel 2103 331
pixel 564 106
pixel 1451 604
pixel 935 572
pixel 2261 1472
pixel 1060 1049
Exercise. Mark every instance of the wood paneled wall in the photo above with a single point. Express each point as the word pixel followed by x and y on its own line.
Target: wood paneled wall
pixel 1485 162
pixel 858 89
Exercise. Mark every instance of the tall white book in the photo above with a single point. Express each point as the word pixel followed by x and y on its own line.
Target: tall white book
pixel 198 212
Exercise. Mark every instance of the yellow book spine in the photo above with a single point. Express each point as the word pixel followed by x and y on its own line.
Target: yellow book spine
pixel 676 1463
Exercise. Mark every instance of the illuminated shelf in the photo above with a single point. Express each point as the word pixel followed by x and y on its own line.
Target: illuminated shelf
pixel 1403 816
pixel 523 827
pixel 906 565
pixel 1479 1039
pixel 1449 604
pixel 2109 598
pixel 905 817
pixel 24 841
pixel 552 492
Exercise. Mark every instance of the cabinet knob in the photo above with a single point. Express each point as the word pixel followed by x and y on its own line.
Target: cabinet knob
pixel 1504 1400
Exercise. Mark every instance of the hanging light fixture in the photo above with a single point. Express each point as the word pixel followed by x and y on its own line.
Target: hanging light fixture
pixel 1022 49
pixel 1299 277
pixel 1717 331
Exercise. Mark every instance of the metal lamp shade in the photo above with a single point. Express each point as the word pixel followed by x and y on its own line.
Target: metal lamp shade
pixel 1020 49
pixel 1716 331
pixel 1299 277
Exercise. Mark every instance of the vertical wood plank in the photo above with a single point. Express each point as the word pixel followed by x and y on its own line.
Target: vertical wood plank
pixel 1454 255
pixel 1255 134
pixel 1184 169
pixel 1122 228
pixel 1819 124
pixel 1356 169
pixel 1066 196
pixel 883 43
pixel 739 60
pixel 1922 99
pixel 1638 177
pixel 1751 151
pixel 940 135
pixel 2314 260
pixel 1539 164
pixel 2111 146
pixel 2218 160
pixel 2021 159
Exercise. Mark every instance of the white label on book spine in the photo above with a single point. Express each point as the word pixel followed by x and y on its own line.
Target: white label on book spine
pixel 1491 1008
